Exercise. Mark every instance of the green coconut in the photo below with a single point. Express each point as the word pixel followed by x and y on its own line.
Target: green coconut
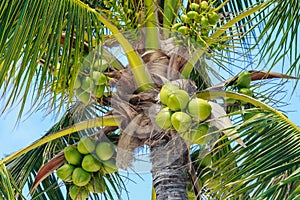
pixel 77 83
pixel 97 185
pixel 199 134
pixel 181 121
pixel 99 91
pixel 163 118
pixel 213 18
pixel 109 166
pixel 165 92
pixel 86 145
pixel 204 5
pixel 81 177
pixel 183 30
pixel 245 91
pixel 204 21
pixel 199 109
pixel 72 155
pixel 100 65
pixel 178 100
pixel 176 26
pixel 185 19
pixel 87 84
pixel 90 163
pixel 65 172
pixel 229 100
pixel 99 77
pixel 192 14
pixel 244 80
pixel 83 96
pixel 105 150
pixel 194 6
pixel 78 193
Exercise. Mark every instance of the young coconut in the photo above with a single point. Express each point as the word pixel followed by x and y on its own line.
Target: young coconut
pixel 99 77
pixel 245 91
pixel 109 166
pixel 72 155
pixel 78 193
pixel 244 80
pixel 181 121
pixel 213 18
pixel 65 172
pixel 204 5
pixel 90 163
pixel 77 83
pixel 81 177
pixel 87 84
pixel 183 30
pixel 199 109
pixel 194 6
pixel 86 145
pixel 176 26
pixel 99 91
pixel 192 14
pixel 83 96
pixel 105 150
pixel 178 100
pixel 197 135
pixel 185 19
pixel 165 92
pixel 163 118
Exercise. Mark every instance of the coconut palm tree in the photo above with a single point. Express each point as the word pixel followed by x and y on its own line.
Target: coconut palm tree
pixel 104 64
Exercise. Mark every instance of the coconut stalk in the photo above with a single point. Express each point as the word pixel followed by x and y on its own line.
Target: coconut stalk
pixel 152 39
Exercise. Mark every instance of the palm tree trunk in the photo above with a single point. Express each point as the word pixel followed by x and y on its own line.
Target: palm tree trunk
pixel 169 157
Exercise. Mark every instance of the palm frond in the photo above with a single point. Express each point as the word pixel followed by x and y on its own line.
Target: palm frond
pixel 281 18
pixel 43 44
pixel 267 168
pixel 38 38
pixel 25 167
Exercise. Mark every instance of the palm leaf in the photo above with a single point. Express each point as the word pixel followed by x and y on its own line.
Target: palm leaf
pixel 26 167
pixel 42 37
pixel 267 167
pixel 279 18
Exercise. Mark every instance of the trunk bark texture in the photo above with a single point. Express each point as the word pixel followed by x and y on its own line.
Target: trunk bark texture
pixel 169 157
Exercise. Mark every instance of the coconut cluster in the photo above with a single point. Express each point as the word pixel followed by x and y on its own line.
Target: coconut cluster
pixel 86 165
pixel 198 22
pixel 89 84
pixel 242 86
pixel 184 114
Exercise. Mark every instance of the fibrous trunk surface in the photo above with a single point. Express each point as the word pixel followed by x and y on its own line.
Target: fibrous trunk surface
pixel 169 157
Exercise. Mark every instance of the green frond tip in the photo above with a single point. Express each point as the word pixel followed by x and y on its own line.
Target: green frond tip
pixel 91 123
pixel 6 183
pixel 236 19
pixel 170 12
pixel 210 95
